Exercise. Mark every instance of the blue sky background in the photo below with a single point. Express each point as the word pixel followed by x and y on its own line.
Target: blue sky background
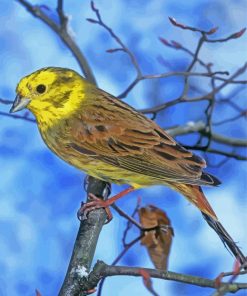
pixel 40 194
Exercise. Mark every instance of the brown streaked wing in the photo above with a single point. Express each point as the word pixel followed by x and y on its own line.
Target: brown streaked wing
pixel 122 137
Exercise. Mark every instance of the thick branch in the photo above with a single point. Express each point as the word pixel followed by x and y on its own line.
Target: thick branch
pixel 86 242
pixel 102 270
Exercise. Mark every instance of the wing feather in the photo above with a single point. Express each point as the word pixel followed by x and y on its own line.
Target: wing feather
pixel 113 132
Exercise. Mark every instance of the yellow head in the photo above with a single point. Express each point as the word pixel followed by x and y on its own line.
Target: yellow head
pixel 50 91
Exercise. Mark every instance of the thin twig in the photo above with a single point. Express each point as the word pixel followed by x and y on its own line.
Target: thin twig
pixel 132 220
pixel 63 18
pixel 209 32
pixel 182 99
pixel 228 154
pixel 210 109
pixel 186 27
pixel 6 102
pixel 208 96
pixel 15 116
pixel 241 115
pixel 123 47
pixel 230 37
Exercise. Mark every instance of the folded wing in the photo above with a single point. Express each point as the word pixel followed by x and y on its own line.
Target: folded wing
pixel 113 132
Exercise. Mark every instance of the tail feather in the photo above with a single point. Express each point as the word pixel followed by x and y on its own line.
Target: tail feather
pixel 196 196
pixel 210 179
pixel 225 237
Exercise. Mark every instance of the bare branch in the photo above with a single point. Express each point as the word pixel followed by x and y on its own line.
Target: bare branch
pixel 242 114
pixel 62 32
pixel 209 110
pixel 222 290
pixel 182 99
pixel 210 32
pixel 5 102
pixel 208 96
pixel 86 242
pixel 228 154
pixel 186 74
pixel 235 142
pixel 200 127
pixel 132 220
pixel 232 36
pixel 63 18
pixel 15 116
pixel 178 46
pixel 123 47
pixel 102 270
pixel 185 27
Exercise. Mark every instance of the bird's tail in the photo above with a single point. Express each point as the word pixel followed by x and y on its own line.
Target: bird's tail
pixel 196 196
pixel 226 238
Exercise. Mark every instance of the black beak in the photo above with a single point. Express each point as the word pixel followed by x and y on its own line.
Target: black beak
pixel 19 104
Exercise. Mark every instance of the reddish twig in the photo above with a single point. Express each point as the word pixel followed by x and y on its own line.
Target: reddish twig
pixel 37 292
pixel 186 27
pixel 223 289
pixel 230 37
pixel 147 281
pixel 209 32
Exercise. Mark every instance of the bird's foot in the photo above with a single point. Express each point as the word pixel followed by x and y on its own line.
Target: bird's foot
pixel 95 203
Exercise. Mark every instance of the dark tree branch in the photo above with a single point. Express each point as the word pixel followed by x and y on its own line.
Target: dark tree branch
pixel 182 99
pixel 200 127
pixel 224 153
pixel 63 18
pixel 238 72
pixel 86 242
pixel 209 110
pixel 61 31
pixel 126 216
pixel 206 33
pixel 102 270
pixel 15 116
pixel 186 27
pixel 230 37
pixel 5 102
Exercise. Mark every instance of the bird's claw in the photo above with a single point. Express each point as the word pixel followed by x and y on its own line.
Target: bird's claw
pixel 95 203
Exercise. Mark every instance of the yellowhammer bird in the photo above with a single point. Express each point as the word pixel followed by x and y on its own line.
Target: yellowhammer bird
pixel 103 136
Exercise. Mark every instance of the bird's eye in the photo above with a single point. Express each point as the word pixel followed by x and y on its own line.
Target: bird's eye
pixel 41 88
